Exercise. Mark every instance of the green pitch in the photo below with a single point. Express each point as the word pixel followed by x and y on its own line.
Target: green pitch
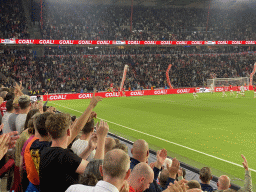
pixel 208 131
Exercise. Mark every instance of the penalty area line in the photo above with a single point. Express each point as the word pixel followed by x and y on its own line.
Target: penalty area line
pixel 165 140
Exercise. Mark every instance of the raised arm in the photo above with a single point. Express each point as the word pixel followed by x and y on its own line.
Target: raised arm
pixel 78 126
pixel 248 178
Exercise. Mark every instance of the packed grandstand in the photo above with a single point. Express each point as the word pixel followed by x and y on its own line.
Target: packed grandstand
pixel 175 48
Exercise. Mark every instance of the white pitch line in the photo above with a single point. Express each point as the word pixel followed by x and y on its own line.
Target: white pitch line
pixel 166 141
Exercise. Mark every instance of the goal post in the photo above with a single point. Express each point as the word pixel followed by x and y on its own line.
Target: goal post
pixel 219 82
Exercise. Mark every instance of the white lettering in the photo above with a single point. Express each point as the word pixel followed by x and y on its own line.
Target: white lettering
pixel 58 97
pixel 160 92
pixel 103 42
pixel 114 94
pixel 222 42
pixel 150 42
pixel 183 90
pixel 46 42
pixel 236 42
pixel 84 42
pixel 25 41
pixel 137 93
pixel 166 42
pixel 66 42
pixel 196 42
pixel 85 96
pixel 133 42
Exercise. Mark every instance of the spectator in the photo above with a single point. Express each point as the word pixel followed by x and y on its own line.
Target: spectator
pixel 141 177
pixel 110 143
pixel 80 144
pixel 205 176
pixel 24 103
pixel 121 146
pixel 223 183
pixel 59 153
pixel 193 184
pixel 115 171
pixel 9 111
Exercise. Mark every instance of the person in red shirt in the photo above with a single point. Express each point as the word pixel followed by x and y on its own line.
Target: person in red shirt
pixel 230 88
pixel 194 93
pixel 140 178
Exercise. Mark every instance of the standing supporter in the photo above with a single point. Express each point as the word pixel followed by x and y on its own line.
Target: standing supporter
pixel 24 103
pixel 140 153
pixel 9 111
pixel 22 167
pixel 205 176
pixel 141 177
pixel 33 150
pixel 60 167
pixel 115 171
pixel 80 144
pixel 24 136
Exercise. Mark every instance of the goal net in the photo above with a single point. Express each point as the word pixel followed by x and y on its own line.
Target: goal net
pixel 218 82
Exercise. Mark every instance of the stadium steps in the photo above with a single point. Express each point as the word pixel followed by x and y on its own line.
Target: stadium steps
pixel 192 173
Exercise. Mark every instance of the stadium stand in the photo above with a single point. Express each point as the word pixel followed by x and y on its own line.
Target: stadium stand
pixel 146 70
pixel 13 22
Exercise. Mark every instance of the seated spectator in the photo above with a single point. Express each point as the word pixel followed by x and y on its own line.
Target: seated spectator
pixel 205 176
pixel 115 171
pixel 141 177
pixel 193 184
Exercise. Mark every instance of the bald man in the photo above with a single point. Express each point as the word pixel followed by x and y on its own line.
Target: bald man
pixel 140 152
pixel 115 171
pixel 223 183
pixel 141 177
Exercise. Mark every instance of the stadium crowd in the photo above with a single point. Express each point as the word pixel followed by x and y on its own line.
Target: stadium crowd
pixel 13 23
pixel 54 152
pixel 99 22
pixel 78 73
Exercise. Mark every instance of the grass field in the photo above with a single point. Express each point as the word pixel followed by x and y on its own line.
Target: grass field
pixel 209 131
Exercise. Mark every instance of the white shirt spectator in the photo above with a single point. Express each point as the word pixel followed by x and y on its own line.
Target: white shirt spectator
pixel 6 128
pixel 101 186
pixel 79 146
pixel 20 122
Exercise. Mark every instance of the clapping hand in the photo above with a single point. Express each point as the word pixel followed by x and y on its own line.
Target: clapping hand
pixel 173 169
pixel 102 129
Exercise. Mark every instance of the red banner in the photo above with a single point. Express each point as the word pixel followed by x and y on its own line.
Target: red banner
pixel 133 93
pixel 110 42
pixel 167 76
pixel 117 94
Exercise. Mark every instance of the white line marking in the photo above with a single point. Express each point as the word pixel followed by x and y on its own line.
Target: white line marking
pixel 166 141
